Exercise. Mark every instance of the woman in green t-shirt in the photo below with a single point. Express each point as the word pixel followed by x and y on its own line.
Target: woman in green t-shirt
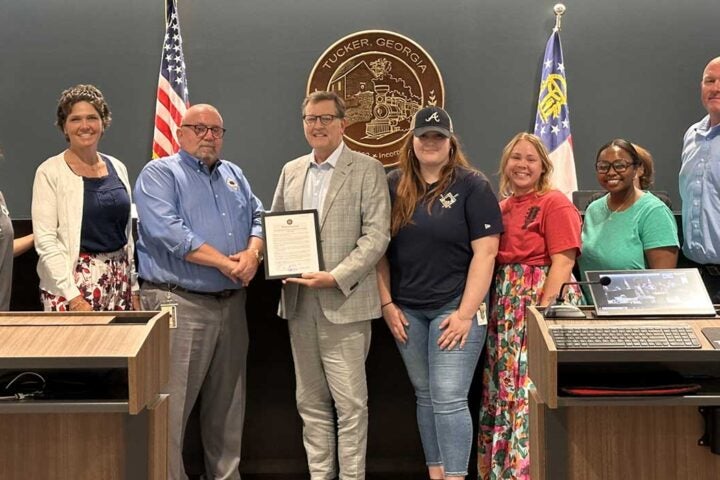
pixel 627 229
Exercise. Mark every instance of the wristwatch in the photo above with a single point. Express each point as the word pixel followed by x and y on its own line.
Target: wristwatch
pixel 258 255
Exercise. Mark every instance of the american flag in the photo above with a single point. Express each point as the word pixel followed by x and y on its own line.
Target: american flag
pixel 552 122
pixel 172 91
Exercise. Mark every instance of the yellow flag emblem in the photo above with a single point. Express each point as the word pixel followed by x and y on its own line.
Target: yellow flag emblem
pixel 554 96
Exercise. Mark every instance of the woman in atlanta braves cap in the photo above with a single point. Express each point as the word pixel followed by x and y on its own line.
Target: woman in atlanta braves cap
pixel 537 254
pixel 437 270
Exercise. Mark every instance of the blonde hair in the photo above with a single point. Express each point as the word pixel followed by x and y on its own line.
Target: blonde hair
pixel 544 184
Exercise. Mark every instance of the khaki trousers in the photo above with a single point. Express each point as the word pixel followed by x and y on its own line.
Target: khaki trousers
pixel 330 371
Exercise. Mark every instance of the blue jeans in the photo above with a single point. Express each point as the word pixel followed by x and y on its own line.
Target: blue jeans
pixel 441 379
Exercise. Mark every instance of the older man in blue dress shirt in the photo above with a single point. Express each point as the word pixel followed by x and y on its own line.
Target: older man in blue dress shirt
pixel 200 242
pixel 700 184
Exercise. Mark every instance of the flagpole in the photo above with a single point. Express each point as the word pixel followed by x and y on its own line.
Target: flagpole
pixel 559 9
pixel 552 121
pixel 172 94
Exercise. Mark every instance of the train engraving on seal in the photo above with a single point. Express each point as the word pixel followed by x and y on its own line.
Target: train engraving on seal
pixel 384 79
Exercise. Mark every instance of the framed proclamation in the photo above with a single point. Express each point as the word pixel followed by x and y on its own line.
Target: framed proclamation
pixel 292 243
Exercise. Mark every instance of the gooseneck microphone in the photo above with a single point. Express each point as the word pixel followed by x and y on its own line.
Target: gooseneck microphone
pixel 558 309
pixel 561 294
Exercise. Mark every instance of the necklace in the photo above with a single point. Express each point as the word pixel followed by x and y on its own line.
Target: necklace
pixel 83 169
pixel 627 203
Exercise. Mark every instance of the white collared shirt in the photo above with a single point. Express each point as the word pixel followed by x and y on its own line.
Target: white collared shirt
pixel 317 180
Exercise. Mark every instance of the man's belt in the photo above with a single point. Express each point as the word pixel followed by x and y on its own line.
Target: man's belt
pixel 170 287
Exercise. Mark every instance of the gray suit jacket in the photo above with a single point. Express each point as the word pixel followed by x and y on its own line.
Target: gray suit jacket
pixel 354 233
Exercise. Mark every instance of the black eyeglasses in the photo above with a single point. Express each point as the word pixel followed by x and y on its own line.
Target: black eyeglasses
pixel 200 130
pixel 618 165
pixel 324 119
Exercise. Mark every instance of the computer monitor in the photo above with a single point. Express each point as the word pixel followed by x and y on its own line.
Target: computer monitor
pixel 656 293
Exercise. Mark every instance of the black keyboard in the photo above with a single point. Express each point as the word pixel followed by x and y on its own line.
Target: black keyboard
pixel 644 337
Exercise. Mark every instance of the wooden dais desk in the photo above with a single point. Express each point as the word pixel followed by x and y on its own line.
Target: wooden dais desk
pixel 119 429
pixel 634 438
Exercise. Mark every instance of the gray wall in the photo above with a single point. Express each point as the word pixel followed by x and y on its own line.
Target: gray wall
pixel 633 70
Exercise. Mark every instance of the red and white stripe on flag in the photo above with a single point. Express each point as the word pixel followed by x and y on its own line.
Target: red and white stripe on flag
pixel 172 92
pixel 564 177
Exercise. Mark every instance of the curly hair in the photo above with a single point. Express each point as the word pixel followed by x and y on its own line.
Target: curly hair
pixel 82 93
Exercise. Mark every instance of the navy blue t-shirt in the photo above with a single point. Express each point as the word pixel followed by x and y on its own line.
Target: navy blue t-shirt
pixel 429 258
pixel 106 208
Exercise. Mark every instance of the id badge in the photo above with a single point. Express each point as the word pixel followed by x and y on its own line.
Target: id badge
pixel 171 309
pixel 481 315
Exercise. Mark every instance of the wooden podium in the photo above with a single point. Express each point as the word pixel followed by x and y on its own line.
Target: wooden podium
pixel 120 430
pixel 638 438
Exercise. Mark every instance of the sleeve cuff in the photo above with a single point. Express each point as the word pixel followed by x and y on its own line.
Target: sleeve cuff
pixel 257 231
pixel 192 243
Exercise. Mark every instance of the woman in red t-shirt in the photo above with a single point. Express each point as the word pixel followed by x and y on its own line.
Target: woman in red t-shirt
pixel 537 253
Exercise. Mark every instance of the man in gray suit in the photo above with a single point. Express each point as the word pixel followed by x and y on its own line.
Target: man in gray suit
pixel 329 312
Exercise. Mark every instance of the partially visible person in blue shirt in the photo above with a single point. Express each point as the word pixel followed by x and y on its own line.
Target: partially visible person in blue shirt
pixel 700 184
pixel 200 242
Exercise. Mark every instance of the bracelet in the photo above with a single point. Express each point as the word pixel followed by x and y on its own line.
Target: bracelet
pixel 385 304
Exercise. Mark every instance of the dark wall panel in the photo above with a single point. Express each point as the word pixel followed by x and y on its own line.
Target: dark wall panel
pixel 633 70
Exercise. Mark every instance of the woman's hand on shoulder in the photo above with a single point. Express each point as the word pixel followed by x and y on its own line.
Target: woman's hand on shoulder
pixel 396 322
pixel 456 331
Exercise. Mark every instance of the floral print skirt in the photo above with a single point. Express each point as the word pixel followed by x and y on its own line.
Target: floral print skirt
pixel 504 417
pixel 103 280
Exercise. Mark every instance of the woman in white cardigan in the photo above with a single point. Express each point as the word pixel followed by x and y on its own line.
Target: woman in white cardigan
pixel 81 214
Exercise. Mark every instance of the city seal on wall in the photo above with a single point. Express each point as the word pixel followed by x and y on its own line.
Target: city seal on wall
pixel 384 79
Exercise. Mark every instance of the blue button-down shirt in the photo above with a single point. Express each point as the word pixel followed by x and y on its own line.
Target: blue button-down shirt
pixel 181 205
pixel 700 192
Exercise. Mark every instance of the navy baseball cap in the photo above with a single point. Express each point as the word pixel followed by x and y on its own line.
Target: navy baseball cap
pixel 432 119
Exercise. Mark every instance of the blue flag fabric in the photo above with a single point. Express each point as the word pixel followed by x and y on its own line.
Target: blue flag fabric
pixel 552 122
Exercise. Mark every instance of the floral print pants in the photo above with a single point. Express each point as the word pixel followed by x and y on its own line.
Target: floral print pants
pixel 503 446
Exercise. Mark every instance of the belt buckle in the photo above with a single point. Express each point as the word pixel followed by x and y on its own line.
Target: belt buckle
pixel 225 293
